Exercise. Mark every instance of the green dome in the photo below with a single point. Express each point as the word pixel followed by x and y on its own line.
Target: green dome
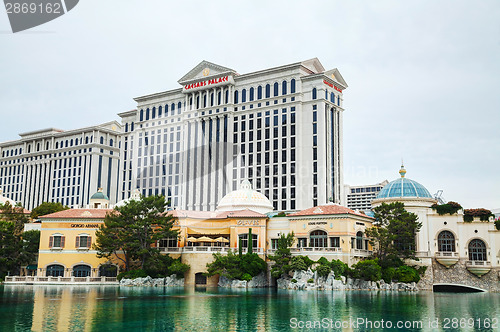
pixel 99 195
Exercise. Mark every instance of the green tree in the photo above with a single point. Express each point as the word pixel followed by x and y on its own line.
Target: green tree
pixel 47 208
pixel 394 231
pixel 12 220
pixel 29 247
pixel 130 231
pixel 282 256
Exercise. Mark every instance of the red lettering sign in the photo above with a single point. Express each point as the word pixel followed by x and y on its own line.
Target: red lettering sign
pixel 339 90
pixel 207 82
pixel 328 83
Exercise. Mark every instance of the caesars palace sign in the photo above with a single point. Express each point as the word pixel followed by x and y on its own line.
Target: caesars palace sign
pixel 213 82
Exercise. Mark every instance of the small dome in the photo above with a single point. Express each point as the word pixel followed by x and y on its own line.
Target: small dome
pixel 245 198
pixel 136 196
pixel 99 195
pixel 404 187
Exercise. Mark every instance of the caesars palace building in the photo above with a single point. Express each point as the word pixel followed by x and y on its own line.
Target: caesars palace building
pixel 280 128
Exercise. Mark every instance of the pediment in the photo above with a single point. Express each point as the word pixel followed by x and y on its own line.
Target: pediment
pixel 204 70
pixel 335 75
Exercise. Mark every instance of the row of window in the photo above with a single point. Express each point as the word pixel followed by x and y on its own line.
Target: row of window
pixel 58 241
pixel 258 93
pixel 81 271
pixel 162 112
pixel 476 247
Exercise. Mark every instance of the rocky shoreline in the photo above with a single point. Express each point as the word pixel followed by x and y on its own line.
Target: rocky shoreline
pixel 171 281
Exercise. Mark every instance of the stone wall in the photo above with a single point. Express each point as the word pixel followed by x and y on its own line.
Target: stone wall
pixel 458 274
pixel 259 281
pixel 171 281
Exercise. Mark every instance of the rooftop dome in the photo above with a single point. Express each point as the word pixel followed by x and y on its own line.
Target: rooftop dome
pixel 404 187
pixel 99 195
pixel 136 196
pixel 245 198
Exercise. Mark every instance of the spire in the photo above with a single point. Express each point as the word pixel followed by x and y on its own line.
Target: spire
pixel 402 171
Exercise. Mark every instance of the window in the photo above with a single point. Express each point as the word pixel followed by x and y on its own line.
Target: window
pixel 236 96
pixel 83 241
pixel 359 240
pixel 56 241
pixel 268 90
pixel 244 241
pixel 276 89
pixel 301 242
pixel 446 241
pixel 251 93
pixel 477 250
pixel 314 93
pixel 335 242
pixel 318 239
pixel 283 88
pixel 274 243
pixel 168 243
pixel 243 95
pixel 55 270
pixel 292 85
pixel 81 271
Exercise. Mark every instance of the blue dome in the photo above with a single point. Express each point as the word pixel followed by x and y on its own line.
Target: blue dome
pixel 404 187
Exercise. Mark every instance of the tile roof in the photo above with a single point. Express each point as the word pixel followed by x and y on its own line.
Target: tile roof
pixel 328 209
pixel 78 214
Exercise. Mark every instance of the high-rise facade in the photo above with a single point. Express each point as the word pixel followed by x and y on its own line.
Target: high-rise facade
pixel 361 197
pixel 280 128
pixel 53 165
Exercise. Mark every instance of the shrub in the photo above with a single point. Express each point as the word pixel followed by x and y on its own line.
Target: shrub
pixel 132 274
pixel 367 270
pixel 388 274
pixel 252 264
pixel 157 266
pixel 407 274
pixel 448 208
pixel 323 261
pixel 497 224
pixel 246 277
pixel 178 268
pixel 310 281
pixel 483 214
pixel 339 268
pixel 294 281
pixel 323 270
pixel 297 263
pixel 390 261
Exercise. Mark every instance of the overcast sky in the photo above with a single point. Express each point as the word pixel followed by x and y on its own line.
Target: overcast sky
pixel 424 76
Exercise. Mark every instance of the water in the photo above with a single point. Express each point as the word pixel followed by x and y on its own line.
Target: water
pixel 109 308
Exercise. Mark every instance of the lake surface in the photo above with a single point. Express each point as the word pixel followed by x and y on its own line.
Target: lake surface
pixel 110 308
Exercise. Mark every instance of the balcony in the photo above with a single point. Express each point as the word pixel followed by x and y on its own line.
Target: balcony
pixel 361 252
pixel 204 250
pixel 447 258
pixel 310 250
pixel 478 268
pixel 62 280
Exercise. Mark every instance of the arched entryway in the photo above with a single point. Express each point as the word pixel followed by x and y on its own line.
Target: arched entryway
pixel 81 271
pixel 55 270
pixel 200 279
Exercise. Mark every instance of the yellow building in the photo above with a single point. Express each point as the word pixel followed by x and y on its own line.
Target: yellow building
pixel 331 231
pixel 66 245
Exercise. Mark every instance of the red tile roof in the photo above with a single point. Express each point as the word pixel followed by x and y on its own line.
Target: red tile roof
pixel 328 209
pixel 78 214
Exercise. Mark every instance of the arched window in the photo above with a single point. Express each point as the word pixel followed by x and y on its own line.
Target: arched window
pixel 67 143
pixel 359 240
pixel 179 107
pixel 292 85
pixel 71 143
pixel 227 96
pixel 147 114
pixel 338 100
pixel 477 250
pixel 332 97
pixel 37 148
pixel 172 108
pixel 141 115
pixel 132 126
pixel 102 140
pixel 47 146
pixel 283 88
pixel 446 241
pixel 250 94
pixel 212 99
pixel 153 113
pixel 55 270
pixel 276 88
pixel 86 141
pixel 126 127
pixel 326 94
pixel 219 97
pixel 244 241
pixel 236 96
pixel 268 91
pixel 318 239
pixel 29 149
pixel 111 142
pixel 159 111
pixel 166 110
pixel 259 92
pixel 314 93
pixel 81 271
pixel 243 95
pixel 204 100
pixel 197 102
